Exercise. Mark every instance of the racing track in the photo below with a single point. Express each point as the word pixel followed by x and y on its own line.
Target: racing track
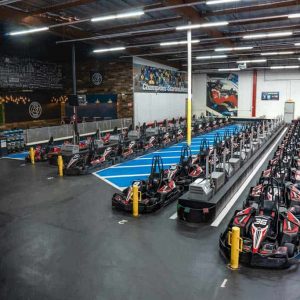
pixel 60 239
pixel 120 176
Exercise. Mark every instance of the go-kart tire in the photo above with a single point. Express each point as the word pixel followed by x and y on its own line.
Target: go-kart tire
pixel 290 249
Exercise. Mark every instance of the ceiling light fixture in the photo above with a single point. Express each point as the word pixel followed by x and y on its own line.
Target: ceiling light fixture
pixel 178 43
pixel 29 31
pixel 297 44
pixel 118 16
pixel 284 67
pixel 267 35
pixel 109 49
pixel 277 53
pixel 228 70
pixel 212 2
pixel 251 61
pixel 195 26
pixel 233 49
pixel 294 16
pixel 211 57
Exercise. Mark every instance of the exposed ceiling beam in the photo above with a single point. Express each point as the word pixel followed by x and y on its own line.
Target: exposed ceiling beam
pixel 249 8
pixel 194 16
pixel 141 24
pixel 60 6
pixel 7 2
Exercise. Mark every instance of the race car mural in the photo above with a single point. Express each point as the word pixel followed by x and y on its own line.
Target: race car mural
pixel 222 93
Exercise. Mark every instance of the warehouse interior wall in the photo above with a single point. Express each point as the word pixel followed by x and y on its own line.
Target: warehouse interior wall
pixel 157 106
pixel 286 82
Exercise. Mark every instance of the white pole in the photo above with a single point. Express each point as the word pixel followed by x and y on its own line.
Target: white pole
pixel 189 100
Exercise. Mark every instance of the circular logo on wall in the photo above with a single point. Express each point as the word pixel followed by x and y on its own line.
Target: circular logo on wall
pixel 35 110
pixel 97 78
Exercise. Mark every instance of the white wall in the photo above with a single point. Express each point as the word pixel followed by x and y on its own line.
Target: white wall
pixel 284 82
pixel 199 94
pixel 287 83
pixel 149 107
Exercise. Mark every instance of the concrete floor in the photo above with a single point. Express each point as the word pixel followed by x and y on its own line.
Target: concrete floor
pixel 60 240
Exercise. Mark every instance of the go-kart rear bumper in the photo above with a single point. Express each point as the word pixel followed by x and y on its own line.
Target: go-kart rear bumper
pixel 118 202
pixel 257 260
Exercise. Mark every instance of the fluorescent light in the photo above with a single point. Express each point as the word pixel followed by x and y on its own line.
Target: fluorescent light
pixel 233 49
pixel 212 2
pixel 109 49
pixel 230 69
pixel 294 16
pixel 267 35
pixel 251 61
pixel 118 16
pixel 195 26
pixel 297 44
pixel 284 67
pixel 178 43
pixel 29 31
pixel 276 53
pixel 211 57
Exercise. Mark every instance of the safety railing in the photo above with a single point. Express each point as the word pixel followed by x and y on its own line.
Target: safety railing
pixel 62 132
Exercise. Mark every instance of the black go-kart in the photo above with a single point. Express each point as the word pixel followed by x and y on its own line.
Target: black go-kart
pixel 188 168
pixel 156 192
pixel 269 233
pixel 89 161
pixel 41 153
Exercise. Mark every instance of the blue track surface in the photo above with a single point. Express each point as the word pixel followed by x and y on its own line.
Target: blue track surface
pixel 19 156
pixel 122 175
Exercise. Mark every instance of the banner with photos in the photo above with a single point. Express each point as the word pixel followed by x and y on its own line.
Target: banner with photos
pixel 158 80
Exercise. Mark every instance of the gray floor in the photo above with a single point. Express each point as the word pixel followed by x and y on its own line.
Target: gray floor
pixel 60 239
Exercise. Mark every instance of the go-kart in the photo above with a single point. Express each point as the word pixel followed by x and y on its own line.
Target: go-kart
pixel 156 192
pixel 42 153
pixel 150 144
pixel 89 161
pixel 269 232
pixel 187 170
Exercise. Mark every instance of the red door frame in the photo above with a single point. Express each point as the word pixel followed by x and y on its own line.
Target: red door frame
pixel 254 91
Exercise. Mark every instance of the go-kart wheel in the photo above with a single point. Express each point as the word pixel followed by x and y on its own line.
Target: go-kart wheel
pixel 290 249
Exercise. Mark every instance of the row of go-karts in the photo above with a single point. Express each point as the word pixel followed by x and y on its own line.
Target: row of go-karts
pixel 98 152
pixel 166 185
pixel 269 221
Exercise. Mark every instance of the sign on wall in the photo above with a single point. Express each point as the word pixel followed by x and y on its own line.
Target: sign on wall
pixel 97 105
pixel 270 96
pixel 39 107
pixel 222 93
pixel 148 79
pixel 29 74
pixel 96 78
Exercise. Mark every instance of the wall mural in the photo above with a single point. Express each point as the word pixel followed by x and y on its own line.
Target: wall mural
pixel 222 93
pixel 148 79
pixel 29 73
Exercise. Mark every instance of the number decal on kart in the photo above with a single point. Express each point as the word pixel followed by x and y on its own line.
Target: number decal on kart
pixel 262 222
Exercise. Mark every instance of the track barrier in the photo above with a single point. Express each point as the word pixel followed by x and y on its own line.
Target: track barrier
pixel 236 244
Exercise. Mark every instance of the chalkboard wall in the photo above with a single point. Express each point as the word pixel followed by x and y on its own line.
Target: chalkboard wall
pixel 28 73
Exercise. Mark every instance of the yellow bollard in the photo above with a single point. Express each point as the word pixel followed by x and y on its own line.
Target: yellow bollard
pixel 60 165
pixel 135 201
pixel 189 122
pixel 236 244
pixel 31 154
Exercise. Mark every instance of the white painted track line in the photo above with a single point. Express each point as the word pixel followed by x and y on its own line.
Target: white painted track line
pixel 108 182
pixel 124 176
pixel 223 285
pixel 174 216
pixel 232 201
